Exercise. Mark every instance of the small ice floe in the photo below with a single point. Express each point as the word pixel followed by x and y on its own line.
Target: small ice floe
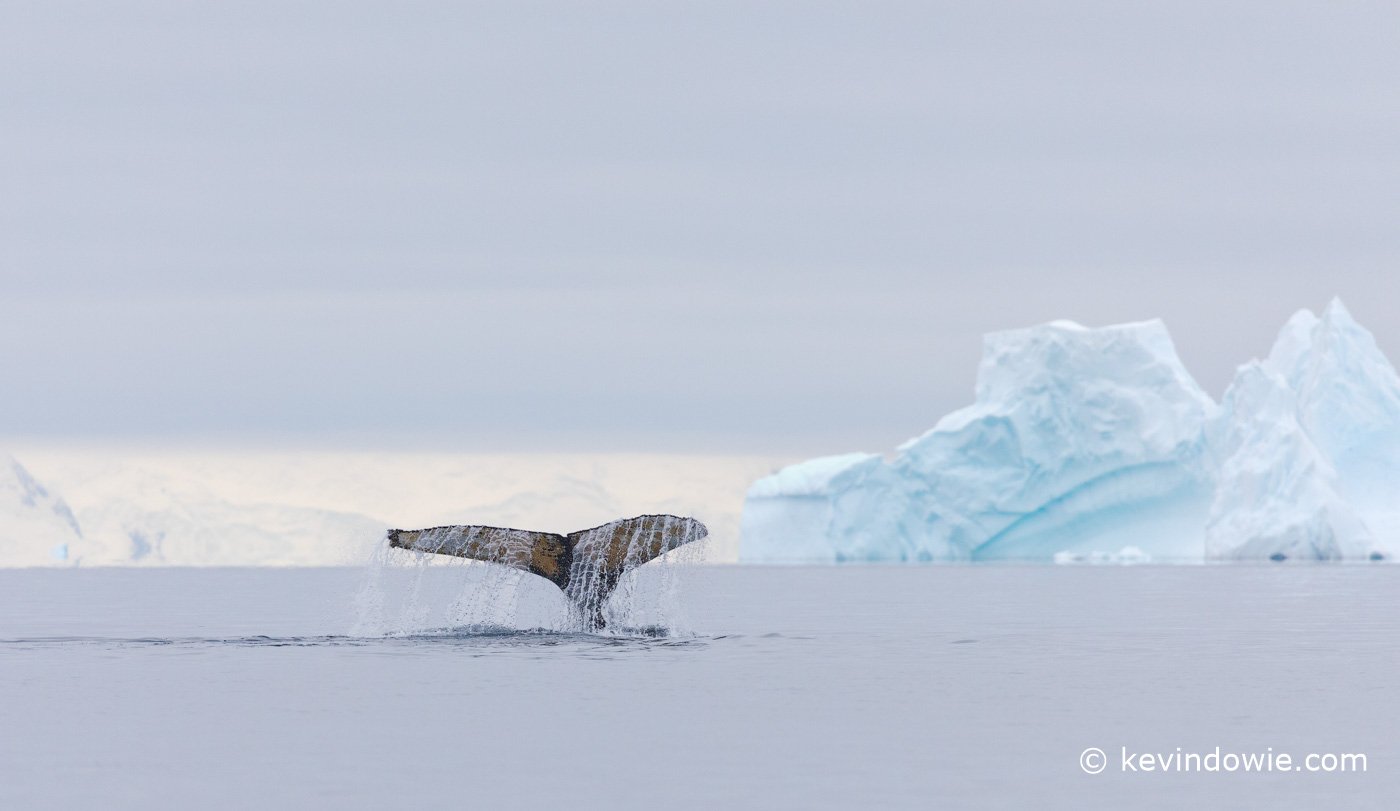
pixel 1127 556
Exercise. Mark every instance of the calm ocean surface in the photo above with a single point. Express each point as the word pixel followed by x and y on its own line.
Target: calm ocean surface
pixel 853 687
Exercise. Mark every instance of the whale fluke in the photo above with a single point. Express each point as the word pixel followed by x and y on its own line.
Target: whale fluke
pixel 586 565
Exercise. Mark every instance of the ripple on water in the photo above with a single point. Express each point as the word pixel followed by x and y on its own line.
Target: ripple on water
pixel 470 640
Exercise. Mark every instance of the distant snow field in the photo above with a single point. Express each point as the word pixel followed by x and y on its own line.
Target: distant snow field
pixel 67 506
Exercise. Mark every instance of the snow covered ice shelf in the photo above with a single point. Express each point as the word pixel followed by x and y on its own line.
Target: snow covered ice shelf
pixel 1097 445
pixel 197 506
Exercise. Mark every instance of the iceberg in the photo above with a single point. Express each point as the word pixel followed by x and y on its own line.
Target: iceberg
pixel 1097 445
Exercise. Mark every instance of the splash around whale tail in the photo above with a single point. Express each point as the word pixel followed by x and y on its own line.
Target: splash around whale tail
pixel 586 565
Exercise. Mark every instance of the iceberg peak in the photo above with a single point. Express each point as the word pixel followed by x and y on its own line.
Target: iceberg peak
pixel 1348 393
pixel 1337 310
pixel 1293 341
pixel 1041 360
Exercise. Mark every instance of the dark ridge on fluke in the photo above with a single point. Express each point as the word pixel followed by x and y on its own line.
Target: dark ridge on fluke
pixel 586 565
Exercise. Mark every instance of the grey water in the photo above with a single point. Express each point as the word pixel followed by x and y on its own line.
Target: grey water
pixel 733 687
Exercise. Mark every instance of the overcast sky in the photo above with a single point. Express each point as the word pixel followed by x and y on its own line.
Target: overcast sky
pixel 659 226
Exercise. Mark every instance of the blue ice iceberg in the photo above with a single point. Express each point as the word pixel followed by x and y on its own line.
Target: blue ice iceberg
pixel 1098 445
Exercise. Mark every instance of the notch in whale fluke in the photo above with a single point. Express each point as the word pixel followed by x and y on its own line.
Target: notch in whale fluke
pixel 586 565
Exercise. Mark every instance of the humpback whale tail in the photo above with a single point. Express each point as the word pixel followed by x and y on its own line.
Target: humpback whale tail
pixel 586 565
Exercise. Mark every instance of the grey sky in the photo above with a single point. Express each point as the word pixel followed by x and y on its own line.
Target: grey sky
pixel 659 226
